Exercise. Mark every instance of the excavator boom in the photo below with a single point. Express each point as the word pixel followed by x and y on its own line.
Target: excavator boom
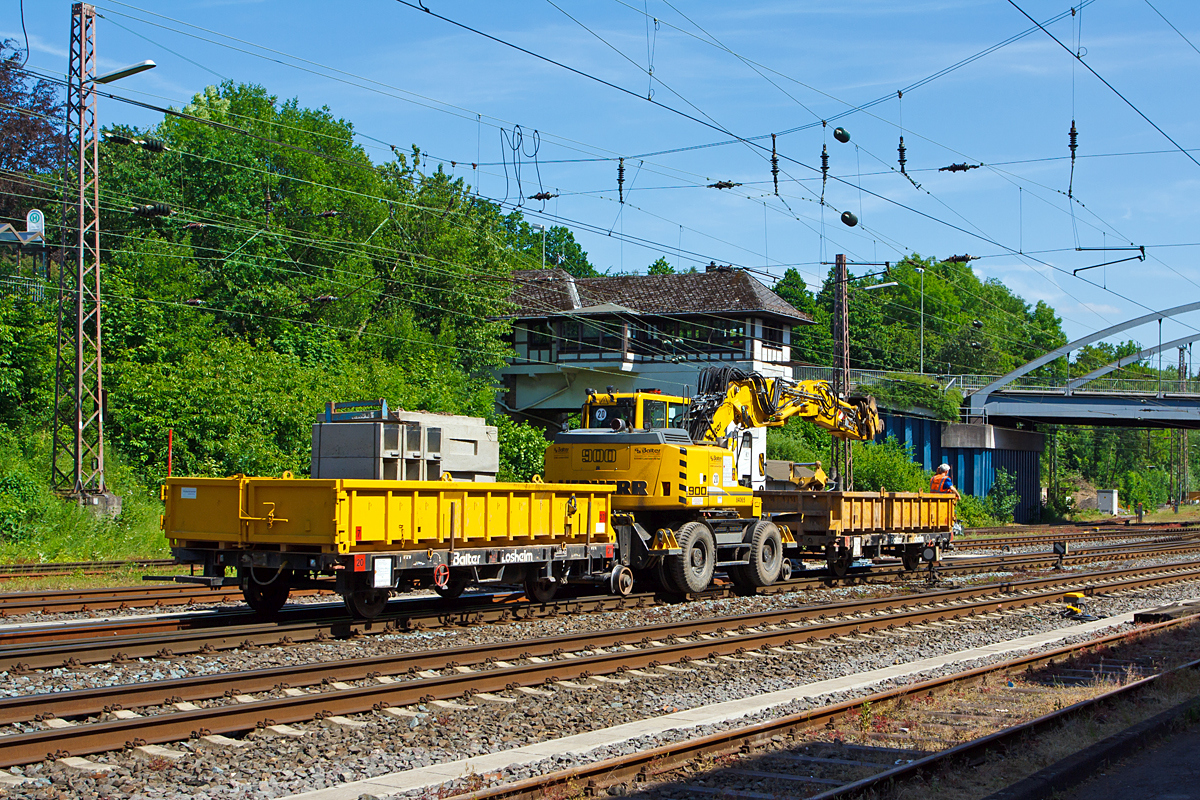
pixel 729 400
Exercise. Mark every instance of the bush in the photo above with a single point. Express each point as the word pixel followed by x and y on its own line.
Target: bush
pixel 1002 498
pixel 887 466
pixel 522 449
pixel 36 525
pixel 972 512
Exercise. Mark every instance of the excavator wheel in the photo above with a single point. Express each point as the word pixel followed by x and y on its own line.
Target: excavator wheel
pixel 693 570
pixel 766 554
pixel 663 575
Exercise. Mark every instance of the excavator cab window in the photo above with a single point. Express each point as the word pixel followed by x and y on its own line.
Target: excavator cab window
pixel 654 413
pixel 601 416
pixel 677 414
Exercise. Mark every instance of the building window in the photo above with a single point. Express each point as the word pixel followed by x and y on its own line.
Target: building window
pixel 772 335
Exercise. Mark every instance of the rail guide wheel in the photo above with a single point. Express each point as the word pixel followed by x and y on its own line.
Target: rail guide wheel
pixel 367 603
pixel 266 590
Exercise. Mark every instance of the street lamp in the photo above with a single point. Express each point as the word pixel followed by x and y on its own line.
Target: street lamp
pixel 125 72
pixel 922 271
pixel 537 226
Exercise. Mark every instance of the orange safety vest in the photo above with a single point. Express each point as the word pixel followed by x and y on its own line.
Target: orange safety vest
pixel 938 484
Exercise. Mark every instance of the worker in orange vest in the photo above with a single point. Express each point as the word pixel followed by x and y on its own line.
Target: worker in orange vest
pixel 941 482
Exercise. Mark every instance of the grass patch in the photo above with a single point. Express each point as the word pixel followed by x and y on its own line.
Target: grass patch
pixel 37 526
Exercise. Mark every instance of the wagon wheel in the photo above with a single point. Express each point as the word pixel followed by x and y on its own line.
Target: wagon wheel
pixel 839 565
pixel 452 590
pixel 366 603
pixel 266 590
pixel 539 589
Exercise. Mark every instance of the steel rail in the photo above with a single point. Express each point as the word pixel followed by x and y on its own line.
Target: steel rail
pixel 50 568
pixel 781 631
pixel 75 645
pixel 646 764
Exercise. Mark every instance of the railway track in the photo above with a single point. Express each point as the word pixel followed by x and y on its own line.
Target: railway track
pixel 159 596
pixel 73 645
pixel 1026 540
pixel 165 714
pixel 790 754
pixel 49 569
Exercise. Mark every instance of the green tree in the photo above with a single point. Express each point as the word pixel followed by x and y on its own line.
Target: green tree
pixel 660 267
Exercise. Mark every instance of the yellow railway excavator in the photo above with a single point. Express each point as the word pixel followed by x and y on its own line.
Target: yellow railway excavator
pixel 683 507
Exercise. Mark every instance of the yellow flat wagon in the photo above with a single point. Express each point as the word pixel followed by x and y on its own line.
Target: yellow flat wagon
pixel 366 538
pixel 843 526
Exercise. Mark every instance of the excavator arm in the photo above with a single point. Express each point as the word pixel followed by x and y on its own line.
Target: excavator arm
pixel 729 400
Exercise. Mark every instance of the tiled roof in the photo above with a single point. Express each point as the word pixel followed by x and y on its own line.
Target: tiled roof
pixel 548 292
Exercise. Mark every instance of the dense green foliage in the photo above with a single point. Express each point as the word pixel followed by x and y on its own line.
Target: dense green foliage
pixel 885 330
pixel 1002 498
pixel 887 466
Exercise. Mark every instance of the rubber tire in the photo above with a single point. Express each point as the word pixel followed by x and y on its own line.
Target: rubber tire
pixel 766 554
pixel 454 589
pixel 693 570
pixel 270 598
pixel 737 574
pixel 538 590
pixel 665 581
pixel 366 603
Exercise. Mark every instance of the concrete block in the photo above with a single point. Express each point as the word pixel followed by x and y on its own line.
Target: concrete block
pixel 125 713
pixel 450 705
pixel 152 751
pixel 83 765
pixel 534 692
pixel 8 779
pixel 217 740
pixel 338 721
pixel 283 730
pixel 186 706
pixel 55 723
pixel 488 697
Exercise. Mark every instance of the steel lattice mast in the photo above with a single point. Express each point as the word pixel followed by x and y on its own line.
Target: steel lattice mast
pixel 78 458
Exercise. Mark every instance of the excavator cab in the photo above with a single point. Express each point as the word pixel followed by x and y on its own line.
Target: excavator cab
pixel 647 409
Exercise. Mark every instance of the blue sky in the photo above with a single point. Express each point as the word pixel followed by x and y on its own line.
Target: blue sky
pixel 407 78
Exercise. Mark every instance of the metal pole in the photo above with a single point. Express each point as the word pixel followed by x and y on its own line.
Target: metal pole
pixel 543 247
pixel 922 271
pixel 841 455
pixel 78 458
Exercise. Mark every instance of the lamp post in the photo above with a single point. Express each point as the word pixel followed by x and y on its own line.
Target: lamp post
pixel 922 271
pixel 540 227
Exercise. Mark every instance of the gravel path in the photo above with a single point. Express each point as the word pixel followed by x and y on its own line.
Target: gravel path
pixel 327 755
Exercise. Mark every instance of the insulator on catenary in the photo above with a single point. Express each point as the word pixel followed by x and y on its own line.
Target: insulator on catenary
pixel 621 180
pixel 824 170
pixel 849 218
pixel 774 164
pixel 195 301
pixel 963 167
pixel 542 196
pixel 1073 143
pixel 723 185
pixel 963 259
pixel 152 210
pixel 841 134
pixel 903 158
